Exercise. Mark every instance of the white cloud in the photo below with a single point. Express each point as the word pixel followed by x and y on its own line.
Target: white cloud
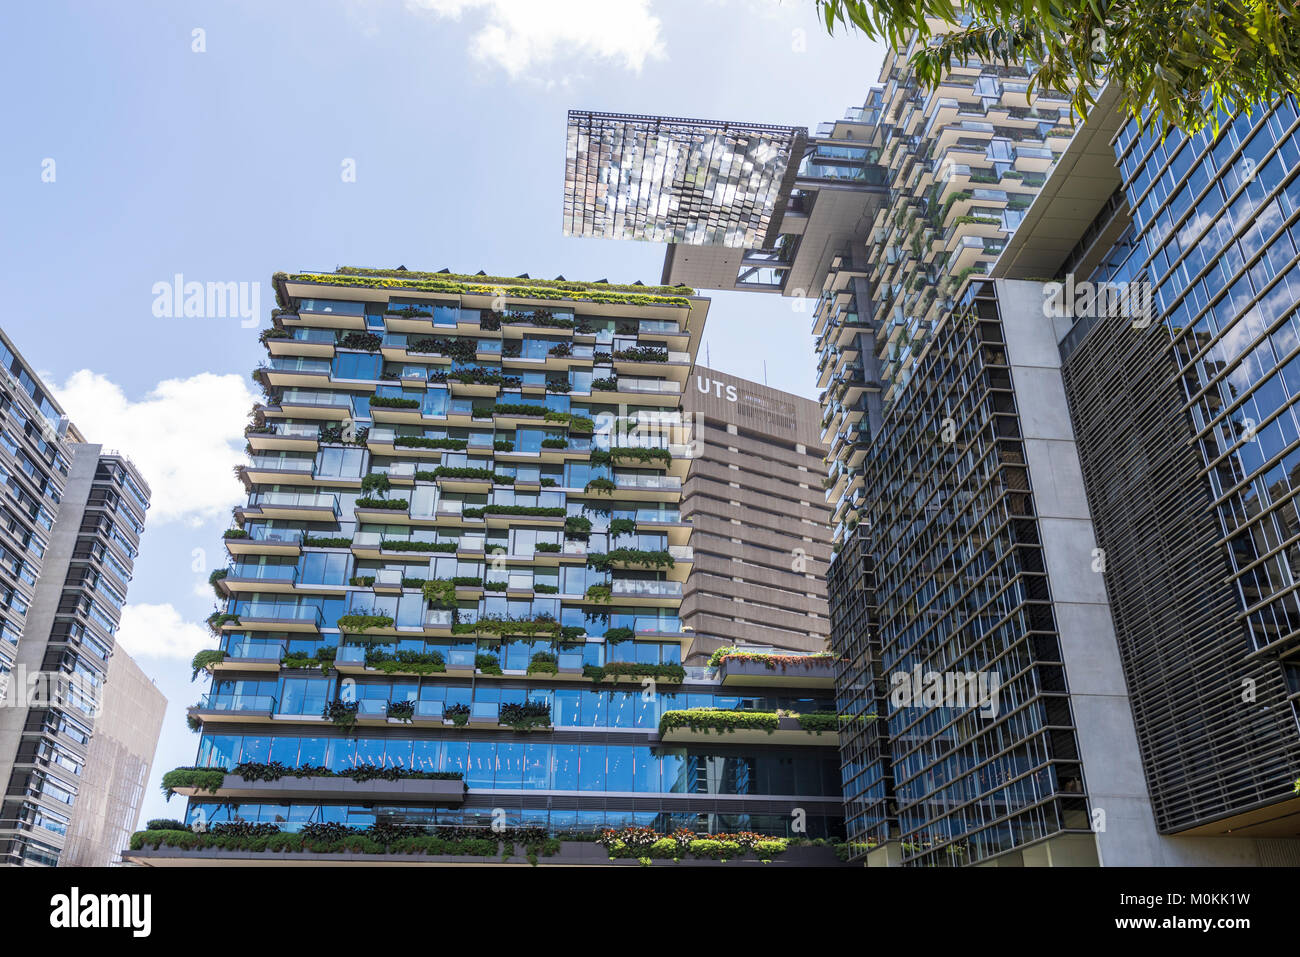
pixel 186 436
pixel 521 36
pixel 159 631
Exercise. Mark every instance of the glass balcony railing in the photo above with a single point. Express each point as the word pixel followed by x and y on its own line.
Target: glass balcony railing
pixel 280 612
pixel 487 711
pixel 297 499
pixel 272 573
pixel 351 655
pixel 279 464
pixel 249 648
pixel 319 336
pixel 569 660
pixel 224 701
pixel 438 618
pixel 282 536
pixel 460 658
pixel 389 577
pixel 299 364
pixel 372 708
pixel 429 710
pixel 648 481
pixel 646 589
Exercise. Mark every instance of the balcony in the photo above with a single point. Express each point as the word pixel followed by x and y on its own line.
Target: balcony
pixel 295 506
pixel 261 578
pixel 777 670
pixel 426 791
pixel 269 616
pixel 267 541
pixel 645 592
pixel 248 654
pixel 234 707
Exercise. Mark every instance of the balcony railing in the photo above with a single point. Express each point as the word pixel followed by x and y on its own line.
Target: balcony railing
pixel 646 589
pixel 248 648
pixel 237 702
pixel 281 612
pixel 297 499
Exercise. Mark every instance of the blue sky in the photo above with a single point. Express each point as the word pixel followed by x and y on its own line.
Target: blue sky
pixel 225 166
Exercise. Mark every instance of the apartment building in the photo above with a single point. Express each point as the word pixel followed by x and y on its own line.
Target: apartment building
pixel 753 496
pixel 1184 411
pixel 453 610
pixel 72 524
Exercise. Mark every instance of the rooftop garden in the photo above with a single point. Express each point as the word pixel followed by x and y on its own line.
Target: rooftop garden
pixel 491 286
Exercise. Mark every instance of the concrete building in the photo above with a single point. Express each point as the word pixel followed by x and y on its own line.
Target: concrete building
pixel 121 754
pixel 71 532
pixel 761 535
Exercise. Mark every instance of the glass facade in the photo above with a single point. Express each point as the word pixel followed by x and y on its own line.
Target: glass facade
pixel 664 179
pixel 479 574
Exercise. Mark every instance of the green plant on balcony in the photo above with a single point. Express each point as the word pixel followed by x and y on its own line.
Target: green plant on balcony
pixel 218 574
pixel 630 556
pixel 512 349
pixel 200 779
pixel 327 541
pixel 604 385
pixel 273 333
pixel 376 482
pixel 495 586
pixel 705 720
pixel 406 662
pixel 342 714
pixel 521 408
pixel 440 591
pixel 323 659
pixel 235 533
pixel 401 710
pixel 548 547
pixel 526 715
pixel 548 483
pixel 642 354
pixel 423 442
pixel 473 512
pixel 540 317
pixel 487 664
pixel 205 658
pixel 363 341
pixel 557 382
pixel 673 674
pixel 622 526
pixel 561 350
pixel 508 627
pixel 390 504
pixel 409 312
pixel 614 636
pixel 393 402
pixel 546 589
pixel 363 622
pixel 457 714
pixel 540 511
pixel 636 453
pixel 576 423
pixel 219 618
pixel 544 663
pixel 601 486
pixel 771 661
pixel 461 472
pixel 362 581
pixel 397 545
pixel 599 593
pixel 576 526
pixel 503 445
pixel 555 443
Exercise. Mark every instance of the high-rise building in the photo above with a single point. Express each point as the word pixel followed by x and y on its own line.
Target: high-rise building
pixel 1185 412
pixel 1034 514
pixel 753 496
pixel 71 532
pixel 121 753
pixel 455 591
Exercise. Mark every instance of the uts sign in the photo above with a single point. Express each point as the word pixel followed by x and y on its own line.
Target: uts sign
pixel 707 386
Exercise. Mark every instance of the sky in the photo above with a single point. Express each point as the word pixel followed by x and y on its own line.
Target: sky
pixel 223 141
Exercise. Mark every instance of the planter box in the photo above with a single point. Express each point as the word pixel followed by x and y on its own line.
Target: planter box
pixel 444 793
pixel 738 672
